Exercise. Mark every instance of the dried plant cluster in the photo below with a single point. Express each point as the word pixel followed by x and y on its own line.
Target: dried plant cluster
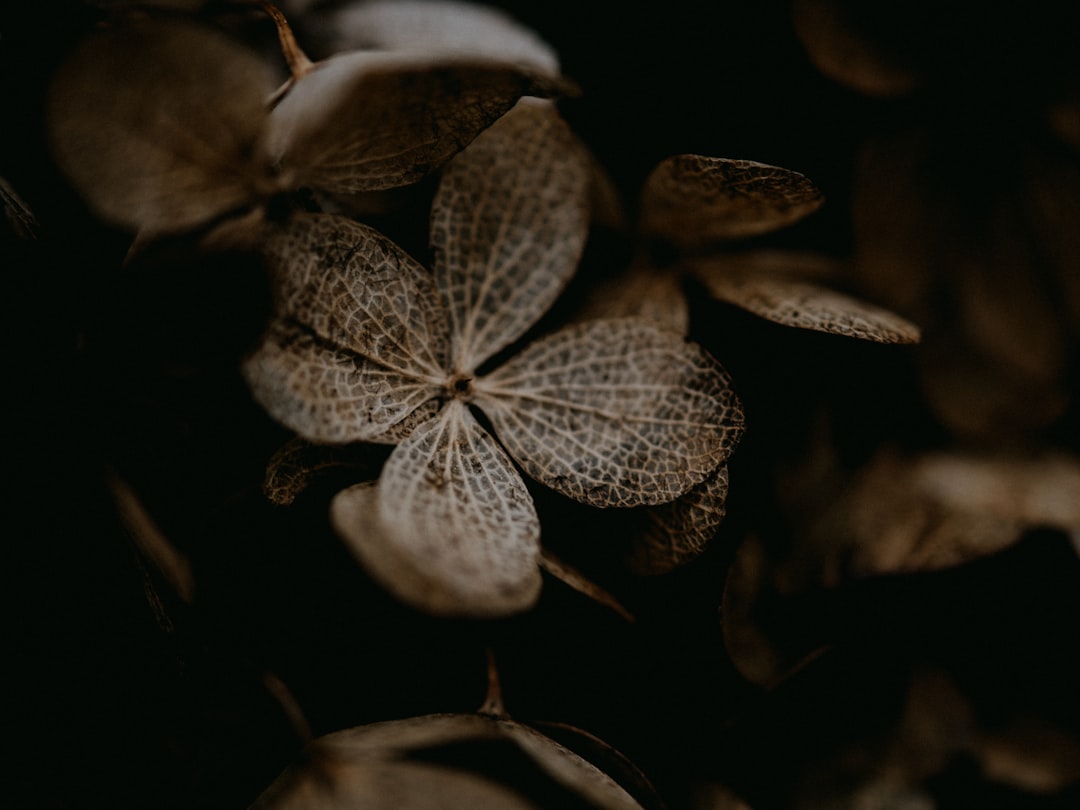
pixel 397 361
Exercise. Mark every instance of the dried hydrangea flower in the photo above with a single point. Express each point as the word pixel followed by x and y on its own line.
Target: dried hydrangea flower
pixel 165 125
pixel 366 345
pixel 697 204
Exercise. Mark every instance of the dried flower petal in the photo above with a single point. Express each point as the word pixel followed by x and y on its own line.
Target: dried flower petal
pixel 508 225
pixel 390 742
pixel 155 122
pixel 693 200
pixel 439 25
pixel 357 348
pixel 678 532
pixel 643 292
pixel 298 462
pixel 803 304
pixel 451 528
pixel 366 121
pixel 614 412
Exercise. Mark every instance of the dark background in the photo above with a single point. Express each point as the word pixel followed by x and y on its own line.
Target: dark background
pixel 135 373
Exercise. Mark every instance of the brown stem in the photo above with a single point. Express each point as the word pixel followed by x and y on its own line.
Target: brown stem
pixel 493 701
pixel 297 60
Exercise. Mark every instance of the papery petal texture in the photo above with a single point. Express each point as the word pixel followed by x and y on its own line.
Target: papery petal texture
pixel 358 341
pixel 450 528
pixel 508 226
pixel 368 121
pixel 677 532
pixel 614 412
pixel 803 304
pixel 694 201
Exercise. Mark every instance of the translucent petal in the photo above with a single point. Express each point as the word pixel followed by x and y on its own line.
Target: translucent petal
pixel 614 412
pixel 679 531
pixel 358 341
pixel 450 528
pixel 298 462
pixel 508 226
pixel 154 123
pixel 803 304
pixel 440 25
pixel 366 121
pixel 692 200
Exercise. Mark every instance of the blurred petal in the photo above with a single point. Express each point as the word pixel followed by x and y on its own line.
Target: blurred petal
pixel 154 122
pixel 802 304
pixel 614 412
pixel 450 529
pixel 692 200
pixel 366 121
pixel 358 341
pixel 843 53
pixel 508 226
pixel 439 25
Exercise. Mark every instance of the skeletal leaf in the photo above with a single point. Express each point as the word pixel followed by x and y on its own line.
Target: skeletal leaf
pixel 450 528
pixel 840 51
pixel 390 742
pixel 154 122
pixel 298 462
pixel 357 348
pixel 365 121
pixel 677 532
pixel 439 25
pixel 693 200
pixel 508 226
pixel 614 412
pixel 802 304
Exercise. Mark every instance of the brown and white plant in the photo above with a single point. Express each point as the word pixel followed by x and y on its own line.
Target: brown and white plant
pixel 368 346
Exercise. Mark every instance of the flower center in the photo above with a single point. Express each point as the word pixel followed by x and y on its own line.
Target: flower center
pixel 460 386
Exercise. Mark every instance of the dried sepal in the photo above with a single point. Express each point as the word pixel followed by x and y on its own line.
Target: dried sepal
pixel 676 533
pixel 389 743
pixel 439 25
pixel 508 225
pixel 451 528
pixel 794 302
pixel 357 346
pixel 298 462
pixel 155 122
pixel 366 121
pixel 614 412
pixel 693 201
